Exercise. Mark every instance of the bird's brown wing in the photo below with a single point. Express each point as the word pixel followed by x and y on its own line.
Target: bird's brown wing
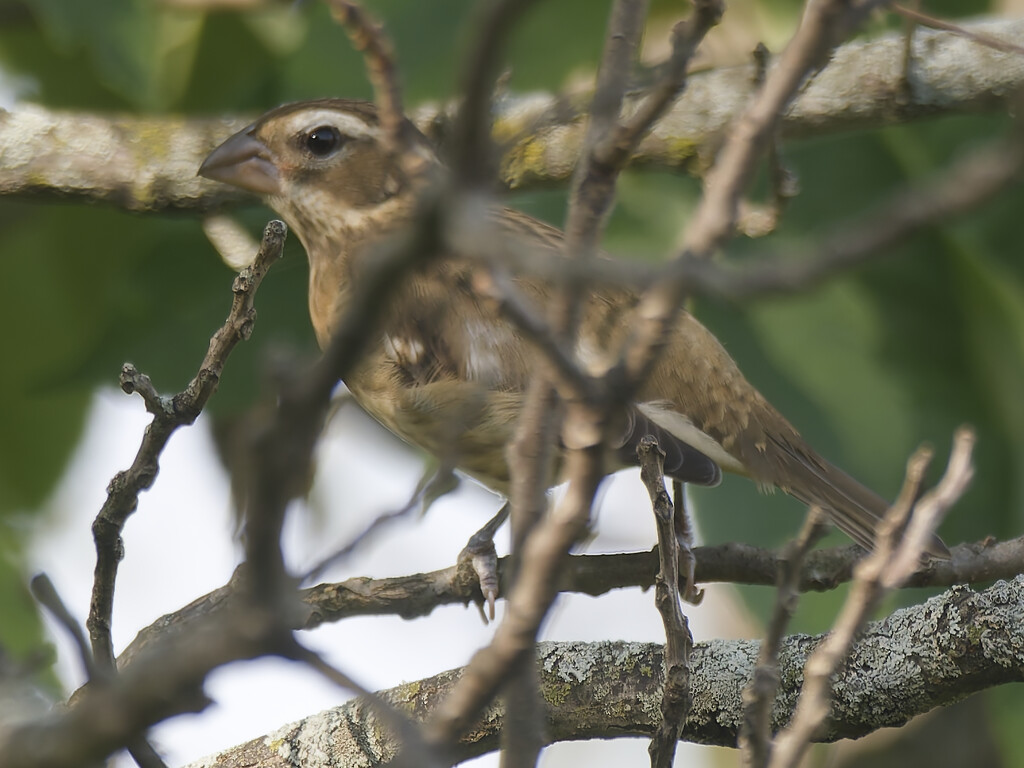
pixel 463 367
pixel 698 378
pixel 702 409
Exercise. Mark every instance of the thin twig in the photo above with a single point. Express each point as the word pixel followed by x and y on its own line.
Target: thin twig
pixel 282 453
pixel 46 594
pixel 168 415
pixel 496 286
pixel 591 194
pixel 759 695
pixel 401 727
pixel 531 457
pixel 687 35
pixel 961 187
pixel 676 699
pixel 895 559
pixel 430 488
pixel 592 188
pixel 821 29
pixel 473 164
pixel 947 26
pixel 369 38
pixel 953 191
pixel 543 561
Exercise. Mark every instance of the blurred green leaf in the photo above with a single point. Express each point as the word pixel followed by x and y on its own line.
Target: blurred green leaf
pixel 141 50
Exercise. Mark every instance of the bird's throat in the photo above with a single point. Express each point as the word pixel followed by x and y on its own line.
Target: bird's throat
pixel 335 245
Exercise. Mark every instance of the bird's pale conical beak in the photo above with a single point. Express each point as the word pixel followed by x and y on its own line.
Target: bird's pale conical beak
pixel 243 161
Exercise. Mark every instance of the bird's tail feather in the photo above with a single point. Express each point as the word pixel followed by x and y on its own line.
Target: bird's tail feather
pixel 853 508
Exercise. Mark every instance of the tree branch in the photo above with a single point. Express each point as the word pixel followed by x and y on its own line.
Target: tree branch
pixel 169 413
pixel 419 594
pixel 917 659
pixel 148 164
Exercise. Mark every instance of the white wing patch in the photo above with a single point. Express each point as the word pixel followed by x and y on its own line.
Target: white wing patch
pixel 406 352
pixel 662 414
pixel 483 361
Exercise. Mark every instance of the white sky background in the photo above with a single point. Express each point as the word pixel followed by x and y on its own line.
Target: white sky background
pixel 179 546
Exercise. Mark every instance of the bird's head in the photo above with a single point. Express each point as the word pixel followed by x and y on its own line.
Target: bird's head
pixel 324 166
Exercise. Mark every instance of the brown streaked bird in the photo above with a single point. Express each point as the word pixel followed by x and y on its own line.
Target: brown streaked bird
pixel 447 374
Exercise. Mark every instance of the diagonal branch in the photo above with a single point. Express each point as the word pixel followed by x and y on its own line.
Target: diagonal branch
pixel 168 415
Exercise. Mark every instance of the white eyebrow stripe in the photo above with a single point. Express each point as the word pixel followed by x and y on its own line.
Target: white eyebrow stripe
pixel 349 125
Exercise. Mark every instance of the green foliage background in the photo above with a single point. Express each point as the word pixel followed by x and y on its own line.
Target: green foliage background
pixel 868 366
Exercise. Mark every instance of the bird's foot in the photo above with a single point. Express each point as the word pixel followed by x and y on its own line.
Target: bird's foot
pixel 480 553
pixel 691 593
pixel 684 538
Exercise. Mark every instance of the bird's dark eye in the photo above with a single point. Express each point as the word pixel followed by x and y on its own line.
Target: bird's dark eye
pixel 323 141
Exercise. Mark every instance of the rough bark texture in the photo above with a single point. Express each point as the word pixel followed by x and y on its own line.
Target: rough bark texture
pixel 918 658
pixel 149 164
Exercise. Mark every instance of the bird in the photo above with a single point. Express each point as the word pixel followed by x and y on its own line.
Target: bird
pixel 448 373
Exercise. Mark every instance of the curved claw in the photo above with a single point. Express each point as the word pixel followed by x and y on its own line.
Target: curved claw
pixel 482 556
pixel 486 566
pixel 692 594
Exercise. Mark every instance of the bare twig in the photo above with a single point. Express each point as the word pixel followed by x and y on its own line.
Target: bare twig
pixel 473 164
pixel 368 38
pixel 531 456
pixel 541 421
pixel 168 415
pixel 686 37
pixel 430 488
pixel 759 694
pixel 989 41
pixel 402 729
pixel 592 189
pixel 888 567
pixel 44 592
pixel 542 565
pixel 676 699
pixel 495 285
pixel 963 186
pixel 758 220
pixel 820 31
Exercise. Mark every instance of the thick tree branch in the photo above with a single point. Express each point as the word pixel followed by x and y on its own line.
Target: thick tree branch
pixel 149 164
pixel 418 595
pixel 917 659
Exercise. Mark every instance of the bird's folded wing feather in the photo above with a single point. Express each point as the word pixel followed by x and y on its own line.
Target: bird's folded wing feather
pixel 461 365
